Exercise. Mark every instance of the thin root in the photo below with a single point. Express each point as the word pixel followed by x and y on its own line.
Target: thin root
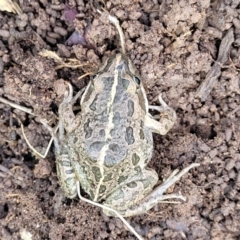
pixel 86 74
pixel 19 107
pixel 32 148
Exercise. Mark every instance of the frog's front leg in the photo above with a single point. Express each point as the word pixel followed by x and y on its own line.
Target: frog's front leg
pixel 166 120
pixel 67 118
pixel 140 201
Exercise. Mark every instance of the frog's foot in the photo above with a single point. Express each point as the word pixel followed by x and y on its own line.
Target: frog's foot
pixel 67 117
pixel 140 206
pixel 166 121
pixel 173 178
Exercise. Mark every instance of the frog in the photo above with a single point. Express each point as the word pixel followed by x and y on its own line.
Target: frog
pixel 107 145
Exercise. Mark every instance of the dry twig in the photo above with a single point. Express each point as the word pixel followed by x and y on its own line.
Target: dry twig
pixel 211 79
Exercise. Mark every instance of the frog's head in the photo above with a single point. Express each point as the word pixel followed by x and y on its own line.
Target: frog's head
pixel 117 76
pixel 119 64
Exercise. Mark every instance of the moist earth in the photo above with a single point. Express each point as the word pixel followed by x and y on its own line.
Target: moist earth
pixel 174 45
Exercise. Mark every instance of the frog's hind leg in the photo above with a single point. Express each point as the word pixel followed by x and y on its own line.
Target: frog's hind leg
pixel 150 199
pixel 157 195
pixel 132 191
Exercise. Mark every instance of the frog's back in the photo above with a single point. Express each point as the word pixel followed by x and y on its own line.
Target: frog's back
pixel 114 138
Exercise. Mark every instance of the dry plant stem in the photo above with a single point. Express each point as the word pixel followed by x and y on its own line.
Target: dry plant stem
pixel 68 65
pixel 14 105
pixel 109 209
pixel 86 74
pixel 211 79
pixel 32 148
pixel 115 22
pixel 29 111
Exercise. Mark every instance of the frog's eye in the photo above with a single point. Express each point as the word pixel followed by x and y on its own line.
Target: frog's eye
pixel 94 76
pixel 136 80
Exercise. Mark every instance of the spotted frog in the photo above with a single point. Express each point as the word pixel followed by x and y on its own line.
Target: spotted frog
pixel 108 144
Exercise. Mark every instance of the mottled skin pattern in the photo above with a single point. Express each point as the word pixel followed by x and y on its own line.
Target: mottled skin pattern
pixel 107 146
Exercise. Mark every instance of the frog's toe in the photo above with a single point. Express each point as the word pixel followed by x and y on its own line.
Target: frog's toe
pixel 166 118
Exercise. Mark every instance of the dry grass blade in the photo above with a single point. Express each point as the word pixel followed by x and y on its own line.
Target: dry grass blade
pixel 10 6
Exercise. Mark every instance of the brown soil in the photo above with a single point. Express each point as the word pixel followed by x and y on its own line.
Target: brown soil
pixel 174 44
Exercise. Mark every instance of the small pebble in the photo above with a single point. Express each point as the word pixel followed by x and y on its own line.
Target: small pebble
pixel 230 163
pixel 228 134
pixel 60 30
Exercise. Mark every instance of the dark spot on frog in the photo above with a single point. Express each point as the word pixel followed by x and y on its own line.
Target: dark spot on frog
pixel 112 132
pixel 141 98
pixel 125 83
pixel 65 163
pixel 132 185
pixel 141 134
pixel 76 139
pixel 97 173
pixel 116 118
pixel 91 194
pixel 94 103
pixel 102 133
pixel 108 82
pixel 121 88
pixel 87 129
pixel 70 171
pixel 129 135
pixel 121 179
pixel 120 67
pixel 135 159
pixel 146 183
pixel 118 151
pixel 109 161
pixel 138 170
pixel 117 97
pixel 114 147
pixel 96 146
pixel 101 117
pixel 118 194
pixel 130 108
pixel 102 189
pixel 108 177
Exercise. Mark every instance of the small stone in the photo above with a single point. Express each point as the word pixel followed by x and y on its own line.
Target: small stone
pixel 42 169
pixel 230 164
